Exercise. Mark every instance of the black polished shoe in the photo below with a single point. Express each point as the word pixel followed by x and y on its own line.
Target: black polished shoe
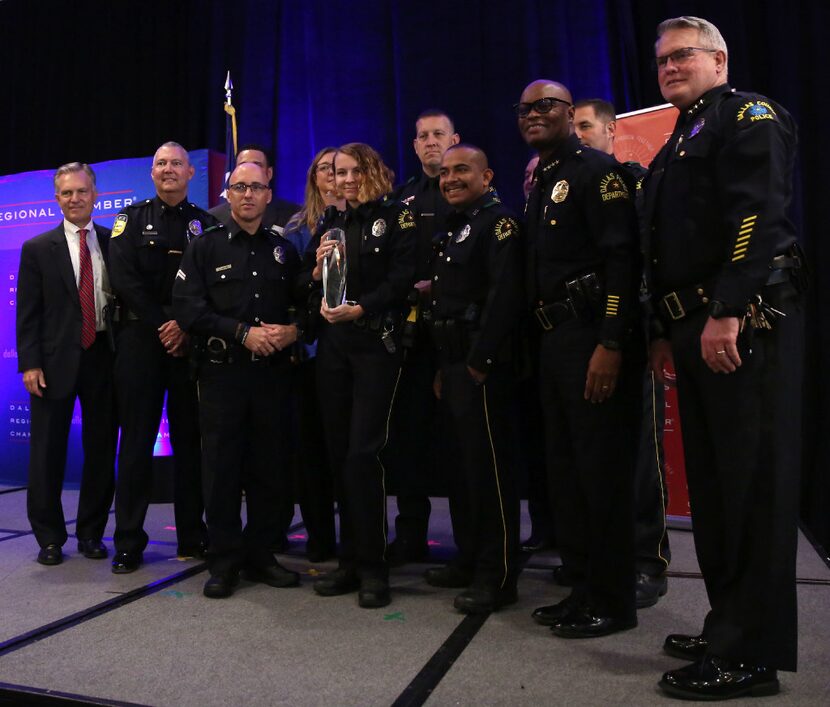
pixel 220 586
pixel 484 599
pixel 554 613
pixel 448 576
pixel 650 589
pixel 274 575
pixel 50 555
pixel 195 551
pixel 92 549
pixel 336 582
pixel 714 678
pixel 402 551
pixel 585 624
pixel 373 593
pixel 680 645
pixel 536 543
pixel 126 562
pixel 563 576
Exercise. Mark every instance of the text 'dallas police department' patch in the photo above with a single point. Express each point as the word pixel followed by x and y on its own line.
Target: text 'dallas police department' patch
pixel 754 112
pixel 559 192
pixel 613 187
pixel 505 228
pixel 406 219
pixel 119 225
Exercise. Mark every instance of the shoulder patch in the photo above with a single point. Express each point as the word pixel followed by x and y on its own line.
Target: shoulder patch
pixel 505 228
pixel 613 187
pixel 406 219
pixel 119 225
pixel 754 112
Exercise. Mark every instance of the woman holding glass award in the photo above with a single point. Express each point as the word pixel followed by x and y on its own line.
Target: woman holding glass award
pixel 365 264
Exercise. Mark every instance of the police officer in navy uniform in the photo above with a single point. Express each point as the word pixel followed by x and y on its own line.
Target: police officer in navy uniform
pixel 725 275
pixel 582 276
pixel 413 434
pixel 595 124
pixel 233 292
pixel 359 361
pixel 146 246
pixel 476 299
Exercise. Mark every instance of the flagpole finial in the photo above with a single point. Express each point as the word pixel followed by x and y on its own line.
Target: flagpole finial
pixel 228 88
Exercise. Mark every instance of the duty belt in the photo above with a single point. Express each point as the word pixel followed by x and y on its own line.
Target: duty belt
pixel 680 303
pixel 219 350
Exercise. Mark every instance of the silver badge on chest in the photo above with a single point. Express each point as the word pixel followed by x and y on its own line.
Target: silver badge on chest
pixel 378 228
pixel 279 254
pixel 463 234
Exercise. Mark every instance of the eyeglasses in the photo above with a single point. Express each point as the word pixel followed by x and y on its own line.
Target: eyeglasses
pixel 324 167
pixel 679 56
pixel 543 105
pixel 242 188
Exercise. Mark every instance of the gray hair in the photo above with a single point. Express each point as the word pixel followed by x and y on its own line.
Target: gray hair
pixel 72 167
pixel 173 143
pixel 710 36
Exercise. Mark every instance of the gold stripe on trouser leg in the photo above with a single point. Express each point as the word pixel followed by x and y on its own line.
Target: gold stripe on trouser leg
pixel 498 483
pixel 377 456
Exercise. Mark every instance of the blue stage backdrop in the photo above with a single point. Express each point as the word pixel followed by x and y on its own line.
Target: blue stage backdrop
pixel 28 207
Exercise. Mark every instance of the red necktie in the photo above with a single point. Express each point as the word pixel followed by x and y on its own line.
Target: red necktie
pixel 87 294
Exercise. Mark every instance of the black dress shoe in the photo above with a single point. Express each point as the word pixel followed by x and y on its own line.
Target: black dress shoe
pixel 585 624
pixel 680 645
pixel 448 576
pixel 563 576
pixel 339 581
pixel 273 575
pixel 554 613
pixel 714 678
pixel 220 586
pixel 50 555
pixel 373 593
pixel 536 543
pixel 402 551
pixel 92 549
pixel 484 599
pixel 125 562
pixel 195 551
pixel 650 588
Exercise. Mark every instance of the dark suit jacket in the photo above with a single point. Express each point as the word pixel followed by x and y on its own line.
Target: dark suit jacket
pixel 277 213
pixel 49 310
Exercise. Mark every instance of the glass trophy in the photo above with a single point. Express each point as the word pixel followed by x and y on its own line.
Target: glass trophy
pixel 334 269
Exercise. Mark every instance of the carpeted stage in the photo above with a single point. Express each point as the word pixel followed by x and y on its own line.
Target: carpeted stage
pixel 77 634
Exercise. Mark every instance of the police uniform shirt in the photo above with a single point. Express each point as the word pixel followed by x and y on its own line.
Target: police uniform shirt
pixel 716 196
pixel 230 277
pixel 380 255
pixel 478 263
pixel 146 247
pixel 423 196
pixel 581 219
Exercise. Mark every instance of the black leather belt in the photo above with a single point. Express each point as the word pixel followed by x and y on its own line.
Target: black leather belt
pixel 220 350
pixel 680 303
pixel 552 315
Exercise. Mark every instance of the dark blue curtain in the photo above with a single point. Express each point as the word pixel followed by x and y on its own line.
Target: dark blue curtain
pixel 93 80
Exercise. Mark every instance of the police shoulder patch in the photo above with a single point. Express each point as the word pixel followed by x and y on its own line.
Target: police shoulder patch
pixel 612 186
pixel 505 228
pixel 406 219
pixel 119 225
pixel 754 112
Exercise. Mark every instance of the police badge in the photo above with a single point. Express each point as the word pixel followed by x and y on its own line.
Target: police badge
pixel 378 228
pixel 560 191
pixel 279 254
pixel 463 234
pixel 195 227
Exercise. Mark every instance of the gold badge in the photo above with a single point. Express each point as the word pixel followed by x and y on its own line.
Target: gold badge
pixel 119 225
pixel 406 219
pixel 612 187
pixel 560 192
pixel 507 227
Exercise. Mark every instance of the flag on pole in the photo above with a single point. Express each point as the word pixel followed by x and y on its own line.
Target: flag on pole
pixel 230 135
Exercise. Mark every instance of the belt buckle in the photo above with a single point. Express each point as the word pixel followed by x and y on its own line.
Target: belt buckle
pixel 673 306
pixel 219 354
pixel 542 316
pixel 255 357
